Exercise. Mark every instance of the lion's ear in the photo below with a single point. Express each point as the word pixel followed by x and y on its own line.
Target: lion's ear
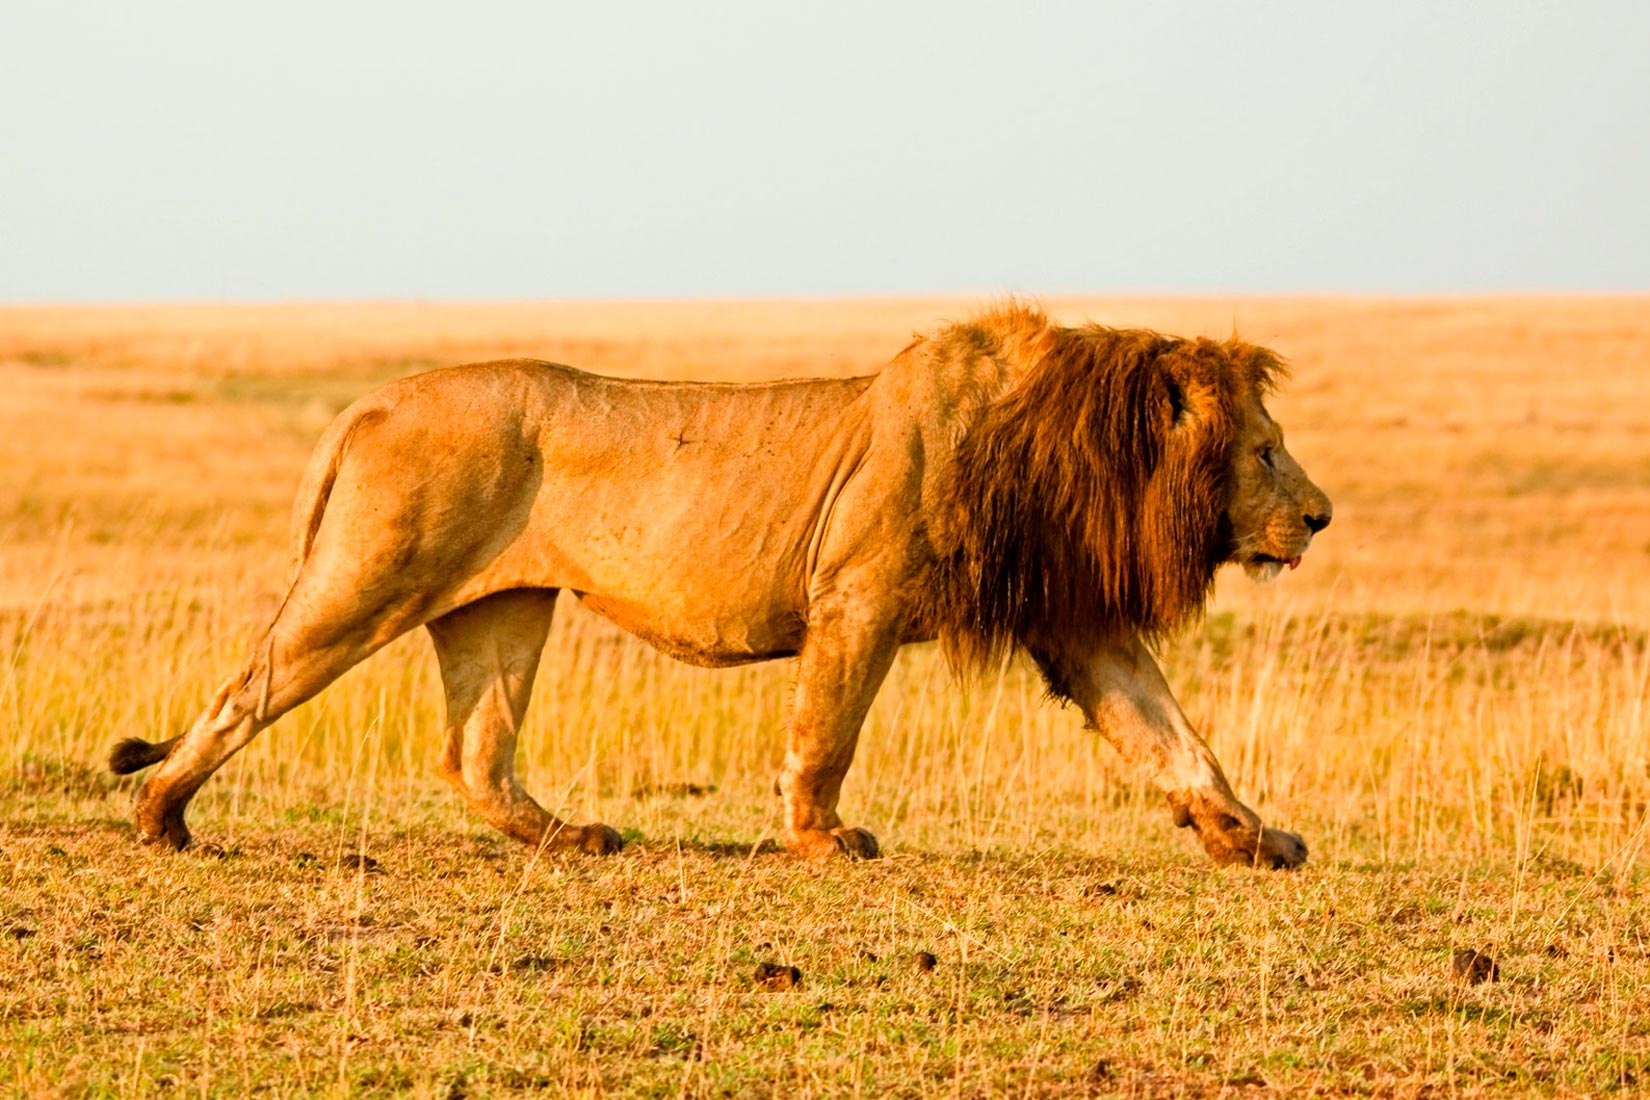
pixel 1189 401
pixel 1190 376
pixel 1177 400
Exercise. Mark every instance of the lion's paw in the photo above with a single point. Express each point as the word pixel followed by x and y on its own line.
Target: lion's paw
pixel 856 843
pixel 1262 847
pixel 160 826
pixel 170 839
pixel 1279 850
pixel 853 843
pixel 1231 833
pixel 599 840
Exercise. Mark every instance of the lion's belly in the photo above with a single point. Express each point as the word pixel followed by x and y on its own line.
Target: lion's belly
pixel 699 586
pixel 702 640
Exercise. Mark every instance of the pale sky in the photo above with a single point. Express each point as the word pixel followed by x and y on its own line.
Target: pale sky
pixel 320 150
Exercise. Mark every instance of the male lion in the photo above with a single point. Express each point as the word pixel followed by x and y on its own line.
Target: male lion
pixel 1003 484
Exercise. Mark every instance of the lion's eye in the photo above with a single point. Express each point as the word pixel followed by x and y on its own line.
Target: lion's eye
pixel 1266 458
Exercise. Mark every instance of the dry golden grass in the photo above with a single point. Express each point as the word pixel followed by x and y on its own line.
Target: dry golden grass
pixel 1450 701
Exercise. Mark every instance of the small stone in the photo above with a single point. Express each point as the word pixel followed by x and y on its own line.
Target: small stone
pixel 1471 967
pixel 925 960
pixel 778 977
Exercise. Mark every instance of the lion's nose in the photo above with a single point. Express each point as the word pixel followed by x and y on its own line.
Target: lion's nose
pixel 1316 523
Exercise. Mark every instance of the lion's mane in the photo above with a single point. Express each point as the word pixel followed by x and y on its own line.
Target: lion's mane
pixel 1090 497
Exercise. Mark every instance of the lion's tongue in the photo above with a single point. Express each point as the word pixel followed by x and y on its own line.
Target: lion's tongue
pixel 1295 562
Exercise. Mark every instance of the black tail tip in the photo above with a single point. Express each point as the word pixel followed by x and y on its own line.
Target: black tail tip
pixel 135 754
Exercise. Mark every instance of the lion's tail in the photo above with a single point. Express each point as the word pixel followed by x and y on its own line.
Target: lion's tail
pixel 315 487
pixel 135 754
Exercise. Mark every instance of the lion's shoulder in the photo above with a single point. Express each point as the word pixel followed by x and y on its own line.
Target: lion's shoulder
pixel 942 380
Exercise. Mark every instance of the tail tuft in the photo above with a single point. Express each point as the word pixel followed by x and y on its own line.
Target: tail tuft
pixel 134 754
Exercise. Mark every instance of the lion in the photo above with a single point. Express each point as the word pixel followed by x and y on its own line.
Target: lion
pixel 1003 485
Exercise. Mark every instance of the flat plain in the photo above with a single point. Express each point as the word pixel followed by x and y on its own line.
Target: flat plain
pixel 1450 701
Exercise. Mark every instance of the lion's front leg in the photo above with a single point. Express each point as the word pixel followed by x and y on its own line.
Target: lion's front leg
pixel 844 659
pixel 1122 693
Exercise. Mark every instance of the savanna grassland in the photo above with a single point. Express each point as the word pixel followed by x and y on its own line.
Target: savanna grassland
pixel 1450 701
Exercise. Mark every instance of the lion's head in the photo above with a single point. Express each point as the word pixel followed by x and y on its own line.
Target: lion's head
pixel 1100 492
pixel 1272 507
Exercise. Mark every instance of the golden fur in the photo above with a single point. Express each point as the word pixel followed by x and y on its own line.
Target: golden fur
pixel 1003 484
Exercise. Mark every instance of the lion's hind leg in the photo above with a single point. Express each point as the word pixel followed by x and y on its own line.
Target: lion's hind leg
pixel 296 659
pixel 489 654
pixel 337 613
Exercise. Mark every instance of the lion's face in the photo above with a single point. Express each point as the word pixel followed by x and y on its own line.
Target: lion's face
pixel 1273 509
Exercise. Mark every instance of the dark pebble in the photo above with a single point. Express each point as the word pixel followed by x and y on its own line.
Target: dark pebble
pixel 772 975
pixel 1473 968
pixel 925 960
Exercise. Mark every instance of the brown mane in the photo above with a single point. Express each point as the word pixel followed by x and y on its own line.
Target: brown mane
pixel 1089 499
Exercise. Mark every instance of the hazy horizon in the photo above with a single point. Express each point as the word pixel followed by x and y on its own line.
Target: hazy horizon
pixel 189 152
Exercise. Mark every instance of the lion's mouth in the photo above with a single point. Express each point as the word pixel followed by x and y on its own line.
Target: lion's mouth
pixel 1265 568
pixel 1268 559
